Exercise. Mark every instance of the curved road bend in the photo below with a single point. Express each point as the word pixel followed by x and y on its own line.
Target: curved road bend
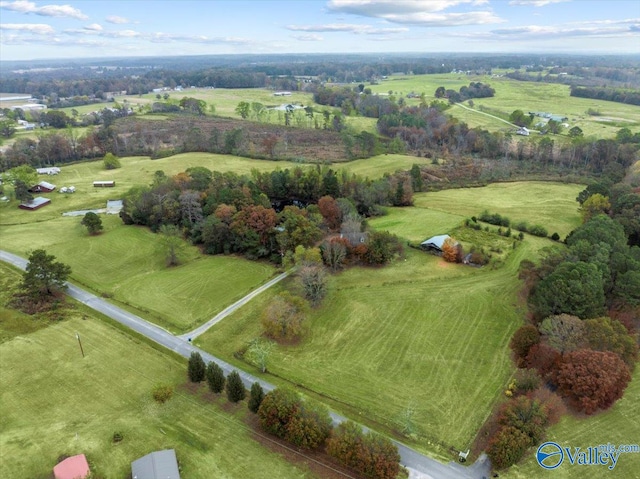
pixel 419 465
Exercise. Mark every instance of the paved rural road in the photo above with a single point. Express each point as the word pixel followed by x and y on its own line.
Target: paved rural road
pixel 191 335
pixel 419 465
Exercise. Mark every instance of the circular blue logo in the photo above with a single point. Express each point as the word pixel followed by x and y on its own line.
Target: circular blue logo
pixel 549 455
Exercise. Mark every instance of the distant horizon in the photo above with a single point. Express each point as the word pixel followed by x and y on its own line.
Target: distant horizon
pixel 36 30
pixel 341 54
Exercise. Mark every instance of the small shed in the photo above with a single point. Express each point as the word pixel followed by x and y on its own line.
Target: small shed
pixel 34 204
pixel 104 184
pixel 42 187
pixel 74 467
pixel 435 243
pixel 522 131
pixel 157 465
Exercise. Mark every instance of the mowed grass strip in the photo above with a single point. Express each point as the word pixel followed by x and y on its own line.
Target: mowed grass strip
pixel 416 224
pixel 54 402
pixel 127 264
pixel 619 425
pixel 551 205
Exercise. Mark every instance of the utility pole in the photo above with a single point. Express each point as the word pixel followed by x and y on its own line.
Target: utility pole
pixel 80 343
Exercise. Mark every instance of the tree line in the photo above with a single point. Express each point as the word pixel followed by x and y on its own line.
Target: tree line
pixel 619 95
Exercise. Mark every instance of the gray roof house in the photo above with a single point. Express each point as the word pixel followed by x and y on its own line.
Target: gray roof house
pixel 157 465
pixel 435 243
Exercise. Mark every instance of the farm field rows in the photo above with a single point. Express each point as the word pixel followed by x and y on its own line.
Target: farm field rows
pixel 55 402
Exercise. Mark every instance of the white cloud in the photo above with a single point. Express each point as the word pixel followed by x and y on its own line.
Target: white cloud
pixel 308 37
pixel 24 6
pixel 536 3
pixel 94 27
pixel 429 13
pixel 37 28
pixel 117 20
pixel 346 27
pixel 160 37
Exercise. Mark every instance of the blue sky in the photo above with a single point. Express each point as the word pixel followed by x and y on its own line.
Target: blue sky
pixel 96 28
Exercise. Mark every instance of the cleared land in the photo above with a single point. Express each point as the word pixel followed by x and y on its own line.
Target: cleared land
pixel 126 263
pixel 519 95
pixel 551 205
pixel 419 333
pixel 58 403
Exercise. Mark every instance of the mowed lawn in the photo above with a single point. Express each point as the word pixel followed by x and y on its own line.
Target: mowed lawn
pixel 127 264
pixel 54 402
pixel 551 205
pixel 620 425
pixel 420 333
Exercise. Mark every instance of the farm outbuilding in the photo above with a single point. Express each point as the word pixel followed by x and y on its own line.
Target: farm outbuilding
pixel 74 467
pixel 104 184
pixel 435 243
pixel 157 465
pixel 52 170
pixel 42 187
pixel 34 204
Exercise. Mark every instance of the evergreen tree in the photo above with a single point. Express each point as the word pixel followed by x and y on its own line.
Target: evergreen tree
pixel 215 378
pixel 255 398
pixel 196 367
pixel 235 389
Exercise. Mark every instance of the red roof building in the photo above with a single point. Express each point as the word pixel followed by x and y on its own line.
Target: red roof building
pixel 74 467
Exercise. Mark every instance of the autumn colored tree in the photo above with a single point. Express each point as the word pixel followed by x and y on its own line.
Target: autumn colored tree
pixel 196 368
pixel 254 221
pixel 330 211
pixel 235 388
pixel 525 414
pixel 606 334
pixel 451 251
pixel 215 378
pixel 563 332
pixel 592 380
pixel 283 316
pixel 543 358
pixel 370 454
pixel 309 428
pixel 256 396
pixel 507 447
pixel 277 409
pixel 553 404
pixel 522 340
pixel 382 246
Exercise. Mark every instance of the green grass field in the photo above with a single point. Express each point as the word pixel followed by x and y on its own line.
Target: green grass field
pixel 126 263
pixel 551 205
pixel 518 95
pixel 619 425
pixel 54 402
pixel 420 333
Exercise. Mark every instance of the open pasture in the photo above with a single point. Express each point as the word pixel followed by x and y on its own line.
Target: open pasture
pixel 420 334
pixel 126 263
pixel 520 95
pixel 551 205
pixel 53 402
pixel 416 224
pixel 139 170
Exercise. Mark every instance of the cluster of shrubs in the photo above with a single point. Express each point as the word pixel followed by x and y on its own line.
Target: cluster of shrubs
pixel 307 425
pixel 587 363
pixel 304 423
pixel 499 220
